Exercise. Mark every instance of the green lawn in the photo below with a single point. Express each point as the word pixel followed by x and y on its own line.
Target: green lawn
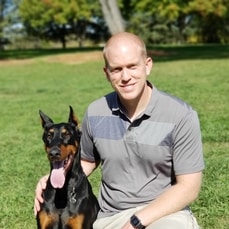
pixel 199 75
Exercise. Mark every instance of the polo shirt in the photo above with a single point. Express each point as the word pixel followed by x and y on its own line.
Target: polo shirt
pixel 139 159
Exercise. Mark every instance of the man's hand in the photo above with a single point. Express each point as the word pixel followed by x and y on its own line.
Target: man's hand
pixel 41 185
pixel 127 226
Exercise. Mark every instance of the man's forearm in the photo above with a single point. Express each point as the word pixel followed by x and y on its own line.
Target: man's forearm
pixel 172 200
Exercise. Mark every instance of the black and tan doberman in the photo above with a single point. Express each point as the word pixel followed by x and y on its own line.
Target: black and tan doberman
pixel 69 202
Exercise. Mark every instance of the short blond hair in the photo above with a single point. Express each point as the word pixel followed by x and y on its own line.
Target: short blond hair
pixel 125 37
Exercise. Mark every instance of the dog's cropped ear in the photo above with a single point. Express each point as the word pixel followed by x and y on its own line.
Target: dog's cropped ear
pixel 45 120
pixel 72 118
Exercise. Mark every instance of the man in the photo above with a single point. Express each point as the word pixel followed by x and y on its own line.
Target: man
pixel 147 142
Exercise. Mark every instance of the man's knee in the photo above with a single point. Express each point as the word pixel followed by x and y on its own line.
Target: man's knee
pixel 179 220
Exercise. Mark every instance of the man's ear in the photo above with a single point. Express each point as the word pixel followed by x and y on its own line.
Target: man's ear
pixel 149 65
pixel 106 73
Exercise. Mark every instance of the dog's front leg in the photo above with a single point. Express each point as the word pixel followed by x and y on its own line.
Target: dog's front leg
pixel 48 217
pixel 46 221
pixel 75 222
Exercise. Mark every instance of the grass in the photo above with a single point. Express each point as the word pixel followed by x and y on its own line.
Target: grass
pixel 199 75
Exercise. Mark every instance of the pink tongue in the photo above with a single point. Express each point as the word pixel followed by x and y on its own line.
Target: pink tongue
pixel 57 177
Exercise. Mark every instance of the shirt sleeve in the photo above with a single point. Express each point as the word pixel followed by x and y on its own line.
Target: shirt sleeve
pixel 88 151
pixel 187 148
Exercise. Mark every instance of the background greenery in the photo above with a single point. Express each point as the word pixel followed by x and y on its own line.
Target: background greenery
pixel 40 24
pixel 199 75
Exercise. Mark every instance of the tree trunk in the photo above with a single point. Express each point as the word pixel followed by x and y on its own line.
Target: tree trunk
pixel 62 36
pixel 2 7
pixel 112 16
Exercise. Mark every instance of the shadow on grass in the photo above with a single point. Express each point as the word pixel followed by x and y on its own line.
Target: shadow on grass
pixel 189 52
pixel 159 53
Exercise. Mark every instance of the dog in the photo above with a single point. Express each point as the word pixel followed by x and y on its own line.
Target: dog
pixel 69 202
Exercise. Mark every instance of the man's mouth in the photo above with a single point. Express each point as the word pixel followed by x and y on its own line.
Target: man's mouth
pixel 127 86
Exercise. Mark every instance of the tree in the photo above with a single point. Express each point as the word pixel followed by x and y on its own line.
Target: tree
pixel 112 16
pixel 161 21
pixel 213 18
pixel 207 19
pixel 4 6
pixel 55 19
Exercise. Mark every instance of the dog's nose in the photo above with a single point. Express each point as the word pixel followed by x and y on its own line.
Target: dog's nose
pixel 54 153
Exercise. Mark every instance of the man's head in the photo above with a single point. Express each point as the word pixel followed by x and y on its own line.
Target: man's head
pixel 127 65
pixel 121 40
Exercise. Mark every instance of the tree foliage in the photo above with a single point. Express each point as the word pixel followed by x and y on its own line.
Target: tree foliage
pixel 4 5
pixel 55 18
pixel 157 21
pixel 206 19
pixel 213 18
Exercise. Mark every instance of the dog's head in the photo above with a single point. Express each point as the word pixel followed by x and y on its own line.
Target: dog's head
pixel 61 141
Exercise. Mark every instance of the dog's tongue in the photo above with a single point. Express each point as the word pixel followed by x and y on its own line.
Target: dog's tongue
pixel 57 176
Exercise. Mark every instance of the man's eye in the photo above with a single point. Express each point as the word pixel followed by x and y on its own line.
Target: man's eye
pixel 115 70
pixel 132 67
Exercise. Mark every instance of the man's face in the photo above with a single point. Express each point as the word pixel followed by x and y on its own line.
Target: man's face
pixel 127 69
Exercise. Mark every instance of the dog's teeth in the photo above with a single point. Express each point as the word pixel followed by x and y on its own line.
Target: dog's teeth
pixel 65 161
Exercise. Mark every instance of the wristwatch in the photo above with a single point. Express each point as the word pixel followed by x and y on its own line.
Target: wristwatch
pixel 136 223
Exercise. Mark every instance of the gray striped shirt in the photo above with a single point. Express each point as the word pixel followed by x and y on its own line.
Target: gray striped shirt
pixel 139 159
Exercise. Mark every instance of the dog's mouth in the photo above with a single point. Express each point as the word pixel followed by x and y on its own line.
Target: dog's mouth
pixel 59 171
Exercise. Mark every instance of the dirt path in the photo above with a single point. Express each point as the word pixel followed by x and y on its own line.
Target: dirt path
pixel 75 58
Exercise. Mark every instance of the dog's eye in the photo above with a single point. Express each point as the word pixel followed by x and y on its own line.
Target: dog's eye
pixel 49 136
pixel 66 135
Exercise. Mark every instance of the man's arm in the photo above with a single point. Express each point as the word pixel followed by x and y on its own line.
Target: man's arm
pixel 177 197
pixel 88 166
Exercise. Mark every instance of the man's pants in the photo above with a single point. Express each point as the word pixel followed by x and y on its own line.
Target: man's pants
pixel 180 220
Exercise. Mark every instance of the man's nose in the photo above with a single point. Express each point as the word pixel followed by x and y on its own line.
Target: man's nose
pixel 125 74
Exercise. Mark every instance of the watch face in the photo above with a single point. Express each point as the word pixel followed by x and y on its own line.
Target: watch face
pixel 135 221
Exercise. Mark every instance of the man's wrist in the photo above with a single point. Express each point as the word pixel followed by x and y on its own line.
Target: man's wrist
pixel 136 223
